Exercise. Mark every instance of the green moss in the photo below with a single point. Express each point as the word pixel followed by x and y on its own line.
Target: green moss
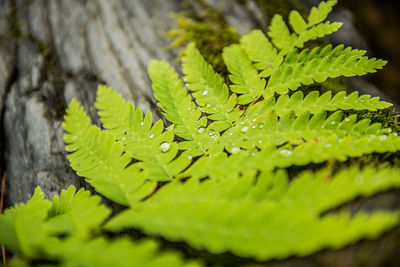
pixel 208 29
pixel 389 118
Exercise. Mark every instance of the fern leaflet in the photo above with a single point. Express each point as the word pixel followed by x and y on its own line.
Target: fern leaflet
pixel 222 216
pixel 154 148
pixel 209 89
pixel 97 156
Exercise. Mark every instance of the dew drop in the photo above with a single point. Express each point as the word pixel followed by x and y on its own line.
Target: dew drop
pixel 205 92
pixel 333 122
pixel 141 123
pixel 235 150
pixel 254 120
pixel 190 157
pixel 347 119
pixel 123 138
pixel 208 105
pixel 189 108
pixel 261 126
pixel 214 109
pixel 328 145
pixel 390 130
pixel 245 129
pixel 164 147
pixel 253 126
pixel 211 132
pixel 362 100
pixel 74 137
pixel 383 137
pixel 231 133
pixel 396 134
pixel 201 130
pixel 323 126
pixel 151 136
pixel 79 164
pixel 285 152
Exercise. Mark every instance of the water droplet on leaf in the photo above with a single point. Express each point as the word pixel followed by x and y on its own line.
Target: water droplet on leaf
pixel 235 150
pixel 201 130
pixel 285 152
pixel 245 129
pixel 164 147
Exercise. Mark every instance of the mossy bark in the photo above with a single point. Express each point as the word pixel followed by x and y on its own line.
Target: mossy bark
pixel 52 51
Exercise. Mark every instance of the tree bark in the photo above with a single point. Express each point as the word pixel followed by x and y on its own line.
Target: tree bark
pixel 52 51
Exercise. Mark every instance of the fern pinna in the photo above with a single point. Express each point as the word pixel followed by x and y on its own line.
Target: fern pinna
pixel 216 177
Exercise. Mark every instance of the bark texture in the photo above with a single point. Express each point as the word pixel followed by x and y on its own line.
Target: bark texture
pixel 52 51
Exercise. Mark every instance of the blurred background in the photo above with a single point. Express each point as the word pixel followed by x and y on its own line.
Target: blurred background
pixel 378 21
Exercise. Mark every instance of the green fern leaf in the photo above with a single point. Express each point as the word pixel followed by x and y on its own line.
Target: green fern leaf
pixel 317 31
pixel 318 65
pixel 154 148
pixel 174 100
pixel 244 75
pixel 32 231
pixel 288 128
pixel 97 156
pixel 17 224
pixel 119 252
pixel 76 213
pixel 209 89
pixel 244 161
pixel 297 22
pixel 261 51
pixel 281 36
pixel 232 215
pixel 315 103
pixel 179 109
pixel 320 13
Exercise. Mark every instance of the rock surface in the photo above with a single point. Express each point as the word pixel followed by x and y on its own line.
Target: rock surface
pixel 52 51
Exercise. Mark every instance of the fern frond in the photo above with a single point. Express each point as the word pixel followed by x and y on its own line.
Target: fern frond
pixel 179 108
pixel 288 128
pixel 316 32
pixel 244 75
pixel 244 161
pixel 21 227
pixel 232 215
pixel 98 157
pixel 315 103
pixel 174 100
pixel 304 31
pixel 119 252
pixel 281 36
pixel 259 49
pixel 76 213
pixel 209 89
pixel 31 231
pixel 319 64
pixel 320 13
pixel 154 148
